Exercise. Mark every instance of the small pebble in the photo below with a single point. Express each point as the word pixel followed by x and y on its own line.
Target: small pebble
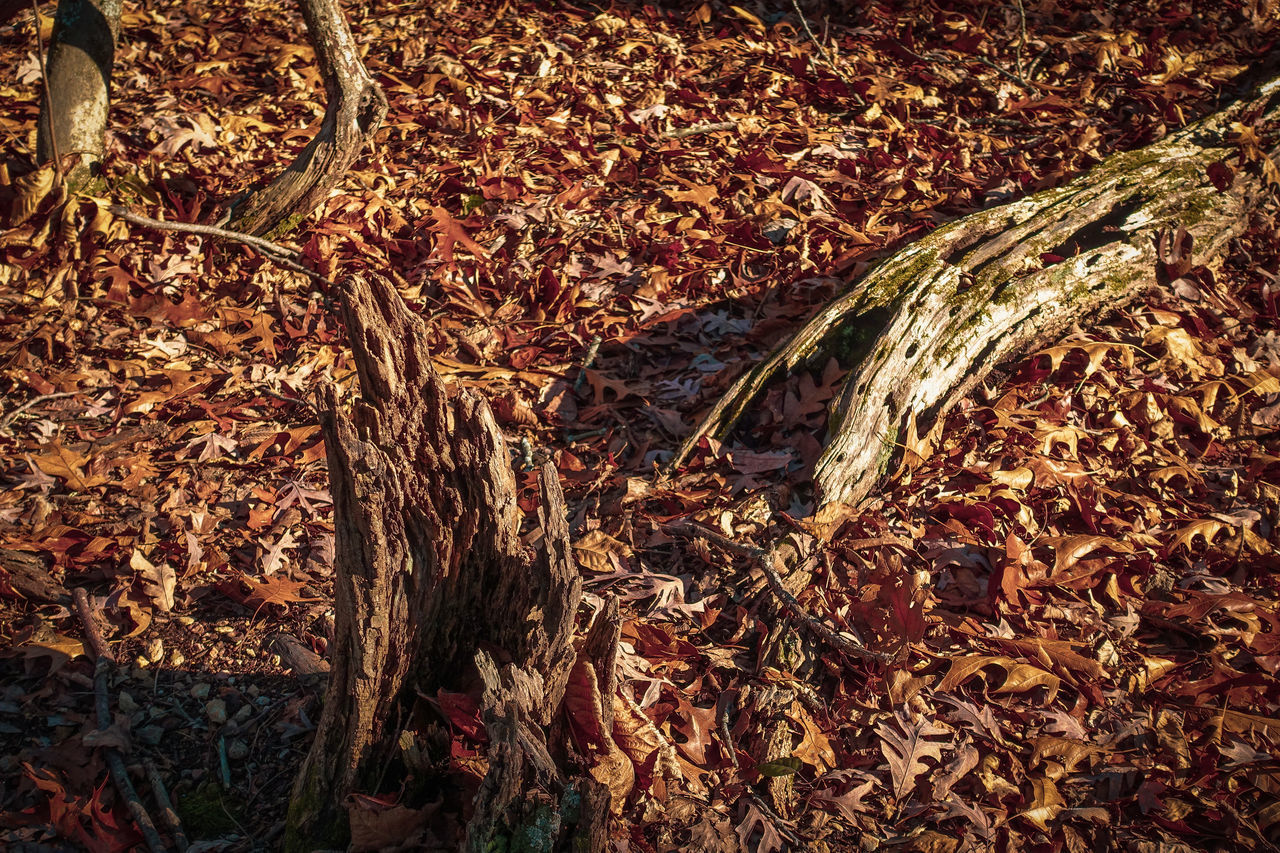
pixel 177 658
pixel 126 703
pixel 243 713
pixel 253 690
pixel 262 701
pixel 155 650
pixel 184 620
pixel 150 735
pixel 216 711
pixel 237 749
pixel 200 690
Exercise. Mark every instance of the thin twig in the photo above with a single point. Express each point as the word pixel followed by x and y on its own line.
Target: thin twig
pixel 1022 40
pixel 34 401
pixel 168 814
pixel 48 94
pixel 765 560
pixel 822 49
pixel 104 665
pixel 279 254
pixel 712 127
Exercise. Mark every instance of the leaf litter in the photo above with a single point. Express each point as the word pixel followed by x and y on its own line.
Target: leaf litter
pixel 1073 576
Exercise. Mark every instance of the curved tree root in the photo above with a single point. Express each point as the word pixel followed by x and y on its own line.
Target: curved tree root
pixel 931 321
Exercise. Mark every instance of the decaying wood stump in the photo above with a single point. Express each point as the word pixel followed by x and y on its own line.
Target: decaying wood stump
pixel 931 321
pixel 434 588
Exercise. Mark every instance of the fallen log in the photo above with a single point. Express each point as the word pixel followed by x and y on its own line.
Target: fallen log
pixel 932 320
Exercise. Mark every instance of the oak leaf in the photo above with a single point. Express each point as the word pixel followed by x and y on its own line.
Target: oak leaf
pixel 1046 804
pixel 1019 677
pixel 906 747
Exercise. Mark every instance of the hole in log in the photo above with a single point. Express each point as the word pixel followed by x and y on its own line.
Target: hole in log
pixel 1098 233
pixel 853 339
pixel 912 350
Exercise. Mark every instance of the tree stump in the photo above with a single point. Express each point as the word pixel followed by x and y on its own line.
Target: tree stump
pixel 932 320
pixel 433 586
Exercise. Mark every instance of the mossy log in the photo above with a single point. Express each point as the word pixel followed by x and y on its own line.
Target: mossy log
pixel 932 320
pixel 434 589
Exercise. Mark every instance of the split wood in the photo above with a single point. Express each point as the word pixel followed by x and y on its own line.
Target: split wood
pixel 168 814
pixel 104 665
pixel 765 560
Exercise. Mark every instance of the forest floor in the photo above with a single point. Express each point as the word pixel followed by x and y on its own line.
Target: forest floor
pixel 606 217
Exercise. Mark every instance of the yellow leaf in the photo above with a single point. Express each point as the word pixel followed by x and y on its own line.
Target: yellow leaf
pixel 752 19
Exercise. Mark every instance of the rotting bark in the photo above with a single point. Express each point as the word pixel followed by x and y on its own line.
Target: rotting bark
pixel 433 588
pixel 931 321
pixel 355 109
pixel 73 115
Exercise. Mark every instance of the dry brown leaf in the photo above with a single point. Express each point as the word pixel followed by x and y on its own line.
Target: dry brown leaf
pixel 593 549
pixel 32 188
pixel 1096 350
pixel 67 464
pixel 616 772
pixel 1205 528
pixel 1019 677
pixel 814 748
pixel 1242 723
pixel 1069 550
pixel 376 826
pixel 1066 751
pixel 1182 351
pixel 57 648
pixel 905 748
pixel 1046 803
pixel 640 739
pixel 1019 478
pixel 158 582
pixel 584 707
